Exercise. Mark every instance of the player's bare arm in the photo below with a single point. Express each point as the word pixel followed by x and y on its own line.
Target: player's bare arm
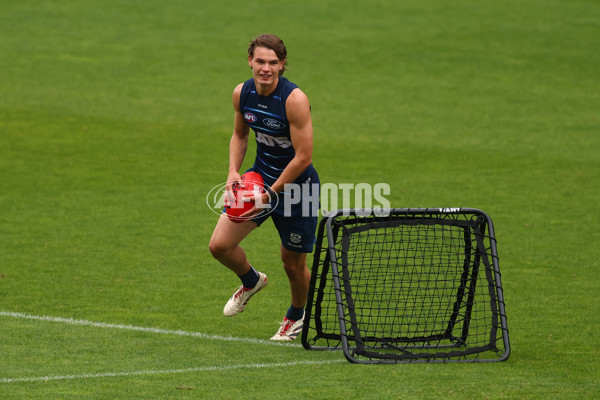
pixel 301 134
pixel 239 141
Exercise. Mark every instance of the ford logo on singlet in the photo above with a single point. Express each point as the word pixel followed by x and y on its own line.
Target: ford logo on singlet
pixel 273 123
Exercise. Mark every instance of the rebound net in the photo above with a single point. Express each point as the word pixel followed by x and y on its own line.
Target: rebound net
pixel 407 285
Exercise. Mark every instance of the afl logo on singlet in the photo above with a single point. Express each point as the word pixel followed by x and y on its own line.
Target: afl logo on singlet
pixel 273 123
pixel 250 117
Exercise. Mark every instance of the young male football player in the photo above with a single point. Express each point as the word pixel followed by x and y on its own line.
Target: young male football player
pixel 279 114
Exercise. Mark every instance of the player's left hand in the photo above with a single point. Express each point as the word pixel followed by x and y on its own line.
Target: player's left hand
pixel 261 202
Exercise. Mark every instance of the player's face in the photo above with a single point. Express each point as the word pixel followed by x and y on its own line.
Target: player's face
pixel 265 66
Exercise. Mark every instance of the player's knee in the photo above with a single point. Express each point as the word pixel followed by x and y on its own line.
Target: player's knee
pixel 218 249
pixel 292 267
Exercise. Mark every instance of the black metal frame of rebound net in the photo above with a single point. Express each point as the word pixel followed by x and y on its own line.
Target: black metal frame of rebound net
pixel 407 285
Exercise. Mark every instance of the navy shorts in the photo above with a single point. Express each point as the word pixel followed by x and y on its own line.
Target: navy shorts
pixel 297 233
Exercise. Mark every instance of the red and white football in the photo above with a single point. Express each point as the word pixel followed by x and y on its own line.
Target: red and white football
pixel 253 185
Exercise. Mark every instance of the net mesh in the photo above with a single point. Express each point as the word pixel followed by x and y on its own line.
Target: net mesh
pixel 411 287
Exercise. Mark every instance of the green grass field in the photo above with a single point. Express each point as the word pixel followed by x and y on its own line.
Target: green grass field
pixel 114 123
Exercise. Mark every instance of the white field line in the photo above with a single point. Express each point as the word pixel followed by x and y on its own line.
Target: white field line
pixel 169 371
pixel 82 322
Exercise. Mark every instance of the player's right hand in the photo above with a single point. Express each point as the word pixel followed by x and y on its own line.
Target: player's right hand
pixel 232 179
